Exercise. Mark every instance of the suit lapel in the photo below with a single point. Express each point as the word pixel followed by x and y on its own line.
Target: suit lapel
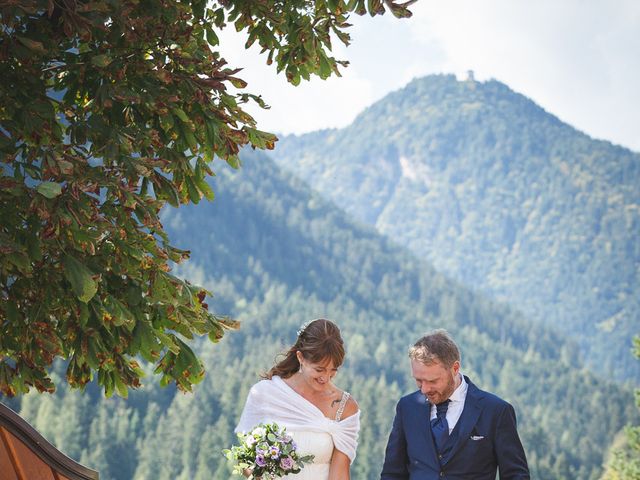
pixel 467 420
pixel 423 424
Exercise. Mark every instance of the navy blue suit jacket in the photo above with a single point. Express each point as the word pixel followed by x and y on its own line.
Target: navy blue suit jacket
pixel 484 441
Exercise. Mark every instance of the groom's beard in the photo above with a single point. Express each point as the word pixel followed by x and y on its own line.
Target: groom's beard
pixel 436 397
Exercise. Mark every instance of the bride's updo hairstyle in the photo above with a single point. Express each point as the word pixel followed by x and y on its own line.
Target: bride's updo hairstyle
pixel 318 341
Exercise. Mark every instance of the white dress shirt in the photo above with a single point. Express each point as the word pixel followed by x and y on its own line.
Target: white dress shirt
pixel 456 404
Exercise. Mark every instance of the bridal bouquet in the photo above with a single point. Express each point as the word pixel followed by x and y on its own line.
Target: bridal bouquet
pixel 268 452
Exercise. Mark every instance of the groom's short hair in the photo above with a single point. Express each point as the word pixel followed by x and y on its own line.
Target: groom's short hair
pixel 435 347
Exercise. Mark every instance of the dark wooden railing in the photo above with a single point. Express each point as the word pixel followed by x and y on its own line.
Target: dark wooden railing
pixel 27 455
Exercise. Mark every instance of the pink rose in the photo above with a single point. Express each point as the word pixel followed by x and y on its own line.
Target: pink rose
pixel 286 463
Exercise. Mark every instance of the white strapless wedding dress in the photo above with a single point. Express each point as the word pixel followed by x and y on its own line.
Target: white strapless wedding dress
pixel 319 444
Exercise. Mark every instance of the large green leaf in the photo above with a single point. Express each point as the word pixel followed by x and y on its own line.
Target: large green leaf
pixel 101 60
pixel 80 278
pixel 49 189
pixel 31 44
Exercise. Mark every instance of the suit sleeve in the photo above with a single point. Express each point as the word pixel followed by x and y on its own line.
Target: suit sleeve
pixel 396 459
pixel 512 461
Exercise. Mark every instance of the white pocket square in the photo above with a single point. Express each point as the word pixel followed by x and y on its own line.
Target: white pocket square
pixel 476 437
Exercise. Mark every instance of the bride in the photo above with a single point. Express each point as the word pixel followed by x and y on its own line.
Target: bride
pixel 298 393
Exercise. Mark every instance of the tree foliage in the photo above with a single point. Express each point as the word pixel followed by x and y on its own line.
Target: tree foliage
pixel 108 110
pixel 624 463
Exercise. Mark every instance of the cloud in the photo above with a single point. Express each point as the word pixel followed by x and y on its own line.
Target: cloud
pixel 333 103
pixel 576 58
pixel 312 105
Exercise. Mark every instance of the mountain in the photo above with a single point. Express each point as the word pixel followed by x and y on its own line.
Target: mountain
pixel 501 196
pixel 275 254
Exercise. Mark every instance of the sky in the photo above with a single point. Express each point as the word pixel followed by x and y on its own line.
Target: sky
pixel 577 59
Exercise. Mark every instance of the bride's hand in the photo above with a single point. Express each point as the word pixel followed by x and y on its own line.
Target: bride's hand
pixel 248 472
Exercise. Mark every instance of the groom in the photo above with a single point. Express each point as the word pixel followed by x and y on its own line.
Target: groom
pixel 450 429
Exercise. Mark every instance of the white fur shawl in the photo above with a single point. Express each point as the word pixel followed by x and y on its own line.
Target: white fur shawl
pixel 275 401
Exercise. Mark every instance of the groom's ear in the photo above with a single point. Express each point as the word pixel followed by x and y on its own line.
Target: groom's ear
pixel 456 367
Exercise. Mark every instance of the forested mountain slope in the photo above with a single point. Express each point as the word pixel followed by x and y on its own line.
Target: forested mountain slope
pixel 275 254
pixel 500 195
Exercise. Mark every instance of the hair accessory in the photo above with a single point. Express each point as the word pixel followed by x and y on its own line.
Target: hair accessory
pixel 303 328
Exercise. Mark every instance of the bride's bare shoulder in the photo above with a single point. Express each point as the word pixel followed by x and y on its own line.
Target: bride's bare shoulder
pixel 350 408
